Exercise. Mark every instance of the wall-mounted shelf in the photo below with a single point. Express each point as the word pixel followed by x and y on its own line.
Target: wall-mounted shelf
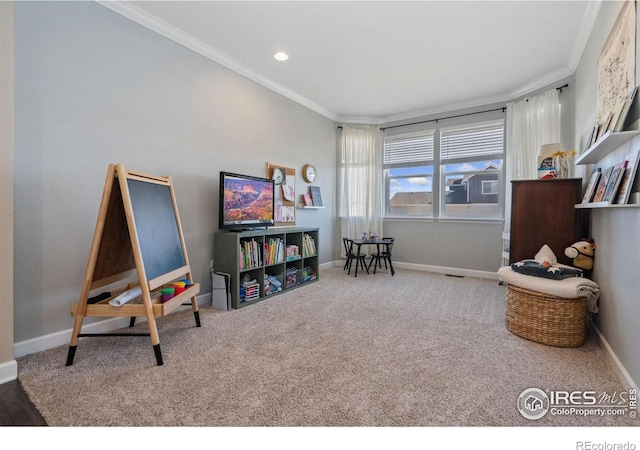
pixel 311 207
pixel 605 145
pixel 604 205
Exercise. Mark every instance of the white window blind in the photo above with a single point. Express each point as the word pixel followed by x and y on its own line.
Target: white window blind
pixel 483 141
pixel 409 151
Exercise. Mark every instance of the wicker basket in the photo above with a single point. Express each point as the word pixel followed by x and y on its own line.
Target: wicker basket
pixel 547 319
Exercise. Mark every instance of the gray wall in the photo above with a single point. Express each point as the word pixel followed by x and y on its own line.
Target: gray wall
pixel 94 88
pixel 8 369
pixel 615 231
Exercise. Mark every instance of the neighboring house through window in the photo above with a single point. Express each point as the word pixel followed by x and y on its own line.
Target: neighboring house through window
pixel 465 164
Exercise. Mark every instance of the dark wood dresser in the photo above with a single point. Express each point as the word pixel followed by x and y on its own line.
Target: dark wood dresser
pixel 543 212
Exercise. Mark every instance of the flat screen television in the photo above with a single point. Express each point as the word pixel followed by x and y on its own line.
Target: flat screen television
pixel 246 202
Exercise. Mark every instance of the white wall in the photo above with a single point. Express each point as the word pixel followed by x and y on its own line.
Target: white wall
pixel 94 88
pixel 8 366
pixel 615 231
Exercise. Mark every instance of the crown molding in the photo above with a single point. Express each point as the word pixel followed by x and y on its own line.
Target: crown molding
pixel 479 102
pixel 147 20
pixel 586 27
pixel 540 83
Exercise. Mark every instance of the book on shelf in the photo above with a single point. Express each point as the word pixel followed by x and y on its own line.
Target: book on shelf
pixel 292 252
pixel 591 187
pixel 605 124
pixel 615 116
pixel 273 251
pixel 624 111
pixel 627 179
pixel 307 200
pixel 602 185
pixel 308 246
pixel 249 255
pixel 614 182
pixel 316 196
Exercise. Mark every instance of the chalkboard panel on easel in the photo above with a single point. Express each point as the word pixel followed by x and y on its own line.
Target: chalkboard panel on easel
pixel 158 234
pixel 138 233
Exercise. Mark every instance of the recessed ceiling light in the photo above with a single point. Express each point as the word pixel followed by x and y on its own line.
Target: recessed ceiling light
pixel 281 56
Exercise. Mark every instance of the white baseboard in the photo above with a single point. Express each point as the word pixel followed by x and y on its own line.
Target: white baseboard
pixel 63 337
pixel 448 270
pixel 434 269
pixel 8 371
pixel 616 364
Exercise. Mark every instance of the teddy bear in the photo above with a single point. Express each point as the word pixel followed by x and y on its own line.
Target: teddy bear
pixel 582 253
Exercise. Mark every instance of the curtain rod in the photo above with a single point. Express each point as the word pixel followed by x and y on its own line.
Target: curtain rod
pixel 459 115
pixel 444 118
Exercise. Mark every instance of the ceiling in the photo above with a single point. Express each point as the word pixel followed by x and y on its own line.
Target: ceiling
pixel 379 61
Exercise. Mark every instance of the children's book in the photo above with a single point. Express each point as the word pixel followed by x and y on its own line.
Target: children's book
pixel 591 187
pixel 602 185
pixel 316 195
pixel 627 103
pixel 627 179
pixel 614 182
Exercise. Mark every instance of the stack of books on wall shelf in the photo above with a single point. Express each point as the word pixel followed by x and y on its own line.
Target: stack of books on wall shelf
pixel 308 246
pixel 249 255
pixel 274 251
pixel 612 186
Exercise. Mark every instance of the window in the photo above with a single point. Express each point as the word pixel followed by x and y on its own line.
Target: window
pixel 490 187
pixel 464 163
pixel 471 157
pixel 408 174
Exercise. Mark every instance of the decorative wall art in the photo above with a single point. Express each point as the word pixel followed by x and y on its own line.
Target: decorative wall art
pixel 285 193
pixel 617 62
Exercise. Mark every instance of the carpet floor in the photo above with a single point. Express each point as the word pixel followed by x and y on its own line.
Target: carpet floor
pixel 415 349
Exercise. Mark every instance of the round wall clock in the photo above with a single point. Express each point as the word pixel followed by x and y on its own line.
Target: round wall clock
pixel 309 173
pixel 278 176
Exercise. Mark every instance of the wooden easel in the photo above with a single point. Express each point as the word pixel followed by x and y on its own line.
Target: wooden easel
pixel 138 241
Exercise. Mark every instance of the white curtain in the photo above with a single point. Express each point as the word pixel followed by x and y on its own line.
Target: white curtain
pixel 360 201
pixel 531 123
